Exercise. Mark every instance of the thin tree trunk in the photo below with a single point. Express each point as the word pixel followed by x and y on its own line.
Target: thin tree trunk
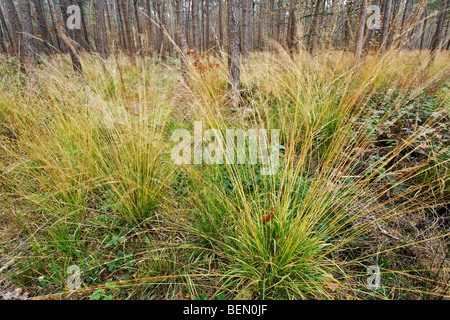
pixel 292 29
pixel 424 27
pixel 435 41
pixel 220 23
pixel 159 30
pixel 404 15
pixel 312 32
pixel 195 33
pixel 15 26
pixel 207 26
pixel 181 25
pixel 53 13
pixel 187 22
pixel 234 67
pixel 3 36
pixel 6 34
pixel 120 27
pixel 150 36
pixel 28 56
pixel 70 45
pixel 40 13
pixel 131 48
pixel 165 42
pixel 360 34
pixel 279 20
pixel 386 24
pixel 260 24
pixel 83 38
pixel 99 10
pixel 138 27
pixel 246 29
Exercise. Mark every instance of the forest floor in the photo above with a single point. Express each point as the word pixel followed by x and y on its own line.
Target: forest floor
pixel 88 182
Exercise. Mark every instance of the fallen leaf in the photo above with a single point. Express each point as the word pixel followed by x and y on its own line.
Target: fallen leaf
pixel 267 218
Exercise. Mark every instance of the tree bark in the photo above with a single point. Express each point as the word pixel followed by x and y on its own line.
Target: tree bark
pixel 360 34
pixel 312 32
pixel 292 29
pixel 59 43
pixel 4 28
pixel 15 26
pixel 40 13
pixel 386 24
pixel 181 25
pixel 195 33
pixel 84 36
pixel 234 67
pixel 246 29
pixel 404 15
pixel 435 41
pixel 150 36
pixel 99 10
pixel 424 27
pixel 28 56
pixel 120 28
pixel 207 26
pixel 138 27
pixel 131 48
pixel 261 24
pixel 220 23
pixel 70 45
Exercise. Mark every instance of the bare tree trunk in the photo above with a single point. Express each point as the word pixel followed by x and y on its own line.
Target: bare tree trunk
pixel 70 45
pixel 40 15
pixel 159 31
pixel 165 43
pixel 386 24
pixel 149 28
pixel 187 14
pixel 181 25
pixel 445 36
pixel 202 25
pixel 14 23
pixel 28 56
pixel 292 29
pixel 99 10
pixel 83 37
pixel 131 48
pixel 260 24
pixel 246 29
pixel 312 32
pixel 138 27
pixel 195 33
pixel 5 31
pixel 207 26
pixel 220 22
pixel 3 34
pixel 360 34
pixel 404 15
pixel 424 27
pixel 279 20
pixel 234 68
pixel 435 41
pixel 120 27
pixel 53 13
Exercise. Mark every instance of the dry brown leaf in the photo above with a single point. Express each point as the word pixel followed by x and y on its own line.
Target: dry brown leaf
pixel 267 218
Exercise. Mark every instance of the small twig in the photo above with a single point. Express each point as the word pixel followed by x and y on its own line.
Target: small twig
pixel 384 231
